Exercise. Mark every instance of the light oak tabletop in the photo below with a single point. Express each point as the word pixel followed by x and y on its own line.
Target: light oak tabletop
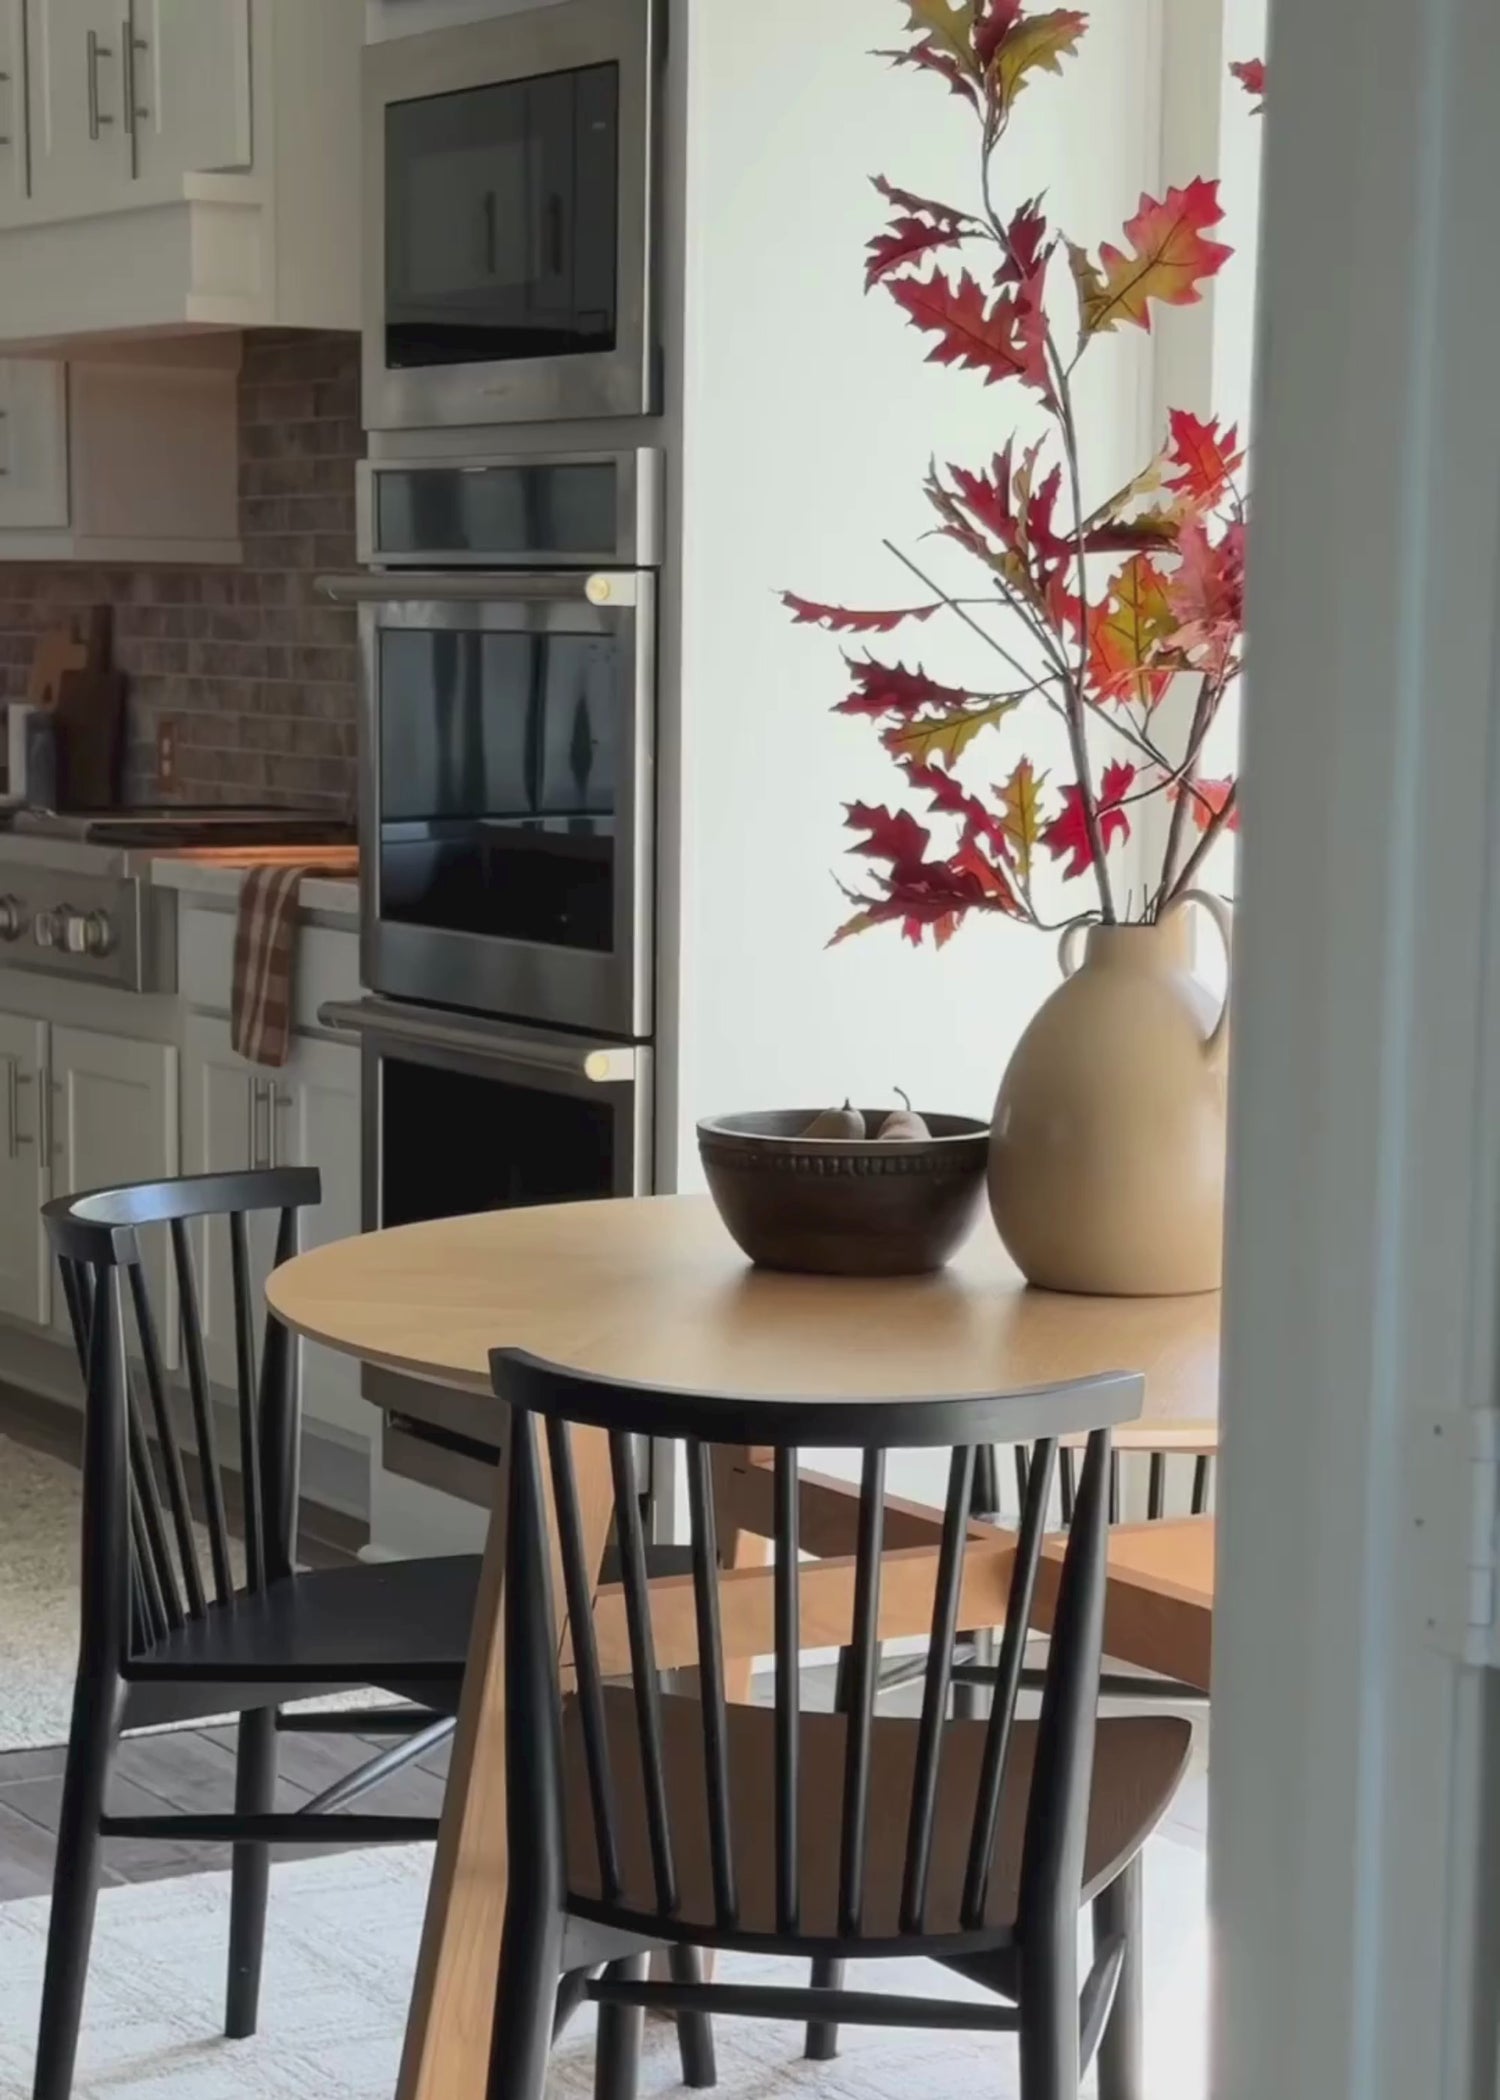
pixel 653 1289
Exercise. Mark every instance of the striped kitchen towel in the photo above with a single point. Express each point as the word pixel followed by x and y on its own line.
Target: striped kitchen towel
pixel 265 947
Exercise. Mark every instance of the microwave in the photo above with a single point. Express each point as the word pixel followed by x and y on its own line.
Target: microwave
pixel 509 193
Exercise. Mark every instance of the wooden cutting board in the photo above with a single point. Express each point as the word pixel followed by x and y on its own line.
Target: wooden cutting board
pixel 57 653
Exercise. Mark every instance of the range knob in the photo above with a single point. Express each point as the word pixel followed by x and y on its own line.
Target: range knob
pixel 87 933
pixel 12 918
pixel 46 929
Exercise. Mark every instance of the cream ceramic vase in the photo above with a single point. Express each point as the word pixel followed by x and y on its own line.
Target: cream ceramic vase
pixel 1107 1156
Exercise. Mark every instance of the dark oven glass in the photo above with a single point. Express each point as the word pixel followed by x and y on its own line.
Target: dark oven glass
pixel 500 224
pixel 499 776
pixel 560 507
pixel 454 1142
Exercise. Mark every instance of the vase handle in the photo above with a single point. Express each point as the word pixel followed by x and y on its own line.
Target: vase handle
pixel 1067 947
pixel 1219 912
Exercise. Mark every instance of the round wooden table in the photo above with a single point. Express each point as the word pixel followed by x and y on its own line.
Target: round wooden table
pixel 654 1290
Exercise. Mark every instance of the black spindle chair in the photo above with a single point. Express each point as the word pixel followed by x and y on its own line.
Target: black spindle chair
pixel 639 1819
pixel 167 1633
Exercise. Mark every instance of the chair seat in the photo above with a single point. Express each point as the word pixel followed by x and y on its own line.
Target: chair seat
pixel 1138 1765
pixel 400 1621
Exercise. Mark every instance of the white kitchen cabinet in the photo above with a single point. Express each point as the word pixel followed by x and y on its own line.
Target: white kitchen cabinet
pixel 127 456
pixel 239 1115
pixel 33 446
pixel 316 1123
pixel 73 54
pixel 114 1113
pixel 25 1262
pixel 190 72
pixel 220 1103
pixel 15 118
pixel 192 163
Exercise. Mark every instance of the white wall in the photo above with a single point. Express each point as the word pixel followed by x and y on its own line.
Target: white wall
pixel 809 416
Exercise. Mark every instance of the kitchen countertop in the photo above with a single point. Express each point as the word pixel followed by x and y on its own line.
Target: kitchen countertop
pixel 213 875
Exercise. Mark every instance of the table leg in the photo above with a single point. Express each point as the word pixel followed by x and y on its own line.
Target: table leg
pixel 446 2054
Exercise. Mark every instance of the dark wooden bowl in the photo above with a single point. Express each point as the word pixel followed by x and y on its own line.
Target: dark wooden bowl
pixel 845 1207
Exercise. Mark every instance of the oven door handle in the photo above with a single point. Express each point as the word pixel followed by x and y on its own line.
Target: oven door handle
pixel 603 588
pixel 606 1064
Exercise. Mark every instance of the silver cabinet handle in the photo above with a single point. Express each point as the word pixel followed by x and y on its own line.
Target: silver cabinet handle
pixel 260 1146
pixel 278 1099
pixel 605 588
pixel 15 1079
pixel 130 44
pixel 47 1117
pixel 96 51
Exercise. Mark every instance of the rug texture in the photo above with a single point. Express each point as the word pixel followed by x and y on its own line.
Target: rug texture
pixel 340 1951
pixel 39 1526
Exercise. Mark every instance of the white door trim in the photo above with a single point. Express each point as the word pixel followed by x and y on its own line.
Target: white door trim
pixel 1353 1849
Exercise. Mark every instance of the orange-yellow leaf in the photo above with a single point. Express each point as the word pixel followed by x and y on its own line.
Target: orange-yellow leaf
pixel 1020 805
pixel 950 25
pixel 1169 257
pixel 1125 633
pixel 1037 44
pixel 945 736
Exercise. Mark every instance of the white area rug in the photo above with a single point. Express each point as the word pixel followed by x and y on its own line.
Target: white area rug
pixel 39 1527
pixel 340 1949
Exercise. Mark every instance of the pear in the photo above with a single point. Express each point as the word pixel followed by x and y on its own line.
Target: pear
pixel 845 1122
pixel 903 1123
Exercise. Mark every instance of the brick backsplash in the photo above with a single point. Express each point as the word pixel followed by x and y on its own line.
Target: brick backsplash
pixel 259 676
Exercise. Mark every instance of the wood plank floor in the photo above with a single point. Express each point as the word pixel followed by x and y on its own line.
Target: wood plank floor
pixel 186 1769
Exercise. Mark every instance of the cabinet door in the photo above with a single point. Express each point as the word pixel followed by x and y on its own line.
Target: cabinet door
pixel 14 113
pixel 191 78
pixel 316 1124
pixel 221 1134
pixel 114 1120
pixel 78 142
pixel 33 444
pixel 25 1260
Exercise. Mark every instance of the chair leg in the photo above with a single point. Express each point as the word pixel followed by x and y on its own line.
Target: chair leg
pixel 617 2065
pixel 75 1885
pixel 526 2004
pixel 823 2035
pixel 250 1873
pixel 1122 2052
pixel 1049 2019
pixel 695 2030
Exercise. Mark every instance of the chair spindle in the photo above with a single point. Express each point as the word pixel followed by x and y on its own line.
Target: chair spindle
pixel 204 1428
pixel 936 1687
pixel 787 1612
pixel 170 1453
pixel 244 1365
pixel 711 1681
pixel 864 1670
pixel 997 1742
pixel 643 1665
pixel 578 1595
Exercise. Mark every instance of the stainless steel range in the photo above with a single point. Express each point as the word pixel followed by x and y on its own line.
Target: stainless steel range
pixel 76 898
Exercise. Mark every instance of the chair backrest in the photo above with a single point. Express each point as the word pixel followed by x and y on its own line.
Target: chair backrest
pixel 550 1581
pixel 143 1575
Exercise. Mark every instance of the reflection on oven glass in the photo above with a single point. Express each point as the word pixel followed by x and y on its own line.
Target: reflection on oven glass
pixel 499 768
pixel 500 221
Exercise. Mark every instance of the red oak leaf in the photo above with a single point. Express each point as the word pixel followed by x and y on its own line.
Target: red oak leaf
pixel 994 25
pixel 928 57
pixel 905 241
pixel 1127 634
pixel 1021 519
pixel 894 836
pixel 1207 799
pixel 1251 75
pixel 890 689
pixel 953 799
pixel 1002 339
pixel 1207 596
pixel 948 215
pixel 1029 44
pixel 840 619
pixel 1169 258
pixel 1025 239
pixel 1205 457
pixel 1068 833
